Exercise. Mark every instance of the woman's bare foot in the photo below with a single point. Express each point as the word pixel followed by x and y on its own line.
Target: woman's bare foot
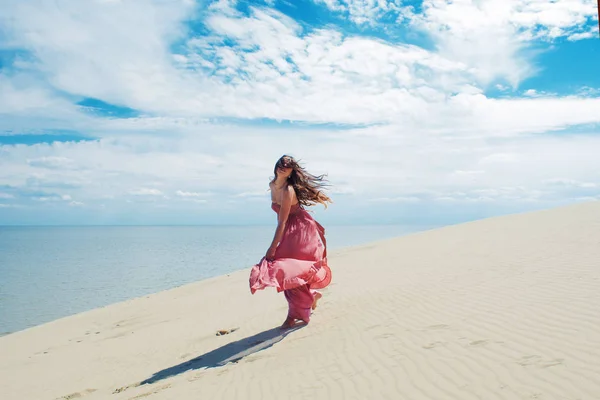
pixel 288 323
pixel 292 322
pixel 317 297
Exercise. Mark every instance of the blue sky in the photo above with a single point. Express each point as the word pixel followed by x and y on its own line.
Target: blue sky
pixel 174 112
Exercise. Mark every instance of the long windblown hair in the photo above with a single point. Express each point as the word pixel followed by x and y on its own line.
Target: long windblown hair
pixel 309 188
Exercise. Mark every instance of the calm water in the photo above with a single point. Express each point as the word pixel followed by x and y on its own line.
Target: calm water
pixel 51 272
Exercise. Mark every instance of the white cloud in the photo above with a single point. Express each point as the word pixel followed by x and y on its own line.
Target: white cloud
pixel 430 133
pixel 259 194
pixel 28 103
pixel 224 7
pixel 395 168
pixel 587 91
pixel 561 182
pixel 146 192
pixel 364 12
pixel 182 193
pixel 583 35
pixel 530 93
pixel 116 51
pixel 47 198
pixel 342 189
pixel 530 19
pixel 274 69
pixel 194 197
pixel 399 199
pixel 538 93
pixel 290 76
pixel 51 162
pixel 493 36
pixel 467 173
pixel 499 158
pixel 325 77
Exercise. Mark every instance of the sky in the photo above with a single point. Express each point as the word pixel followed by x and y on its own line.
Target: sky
pixel 175 111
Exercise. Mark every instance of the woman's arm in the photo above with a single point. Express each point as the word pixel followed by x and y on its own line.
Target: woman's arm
pixel 282 216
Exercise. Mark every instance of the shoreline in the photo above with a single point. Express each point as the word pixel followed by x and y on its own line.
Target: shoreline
pixel 331 250
pixel 126 301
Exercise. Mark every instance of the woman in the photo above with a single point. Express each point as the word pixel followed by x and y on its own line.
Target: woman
pixel 296 261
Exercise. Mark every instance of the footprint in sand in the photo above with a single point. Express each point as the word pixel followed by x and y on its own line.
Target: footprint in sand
pixel 124 388
pixel 478 343
pixel 158 389
pixel 384 336
pixel 77 395
pixel 433 345
pixel 540 362
pixel 439 326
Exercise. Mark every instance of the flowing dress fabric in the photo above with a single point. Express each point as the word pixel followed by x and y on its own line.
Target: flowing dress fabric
pixel 300 263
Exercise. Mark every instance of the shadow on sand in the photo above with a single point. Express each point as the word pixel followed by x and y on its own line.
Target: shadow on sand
pixel 232 352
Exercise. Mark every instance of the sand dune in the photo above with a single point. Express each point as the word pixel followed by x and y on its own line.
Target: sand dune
pixel 503 308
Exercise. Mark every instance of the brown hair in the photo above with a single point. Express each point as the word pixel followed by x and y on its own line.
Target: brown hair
pixel 309 188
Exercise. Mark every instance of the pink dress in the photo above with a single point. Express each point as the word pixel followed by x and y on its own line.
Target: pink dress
pixel 300 263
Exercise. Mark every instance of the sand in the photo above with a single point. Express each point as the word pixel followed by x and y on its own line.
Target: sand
pixel 502 308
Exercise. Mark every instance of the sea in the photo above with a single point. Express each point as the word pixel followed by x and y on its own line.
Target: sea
pixel 48 273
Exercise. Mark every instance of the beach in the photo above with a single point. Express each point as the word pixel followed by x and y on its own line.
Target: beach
pixel 501 308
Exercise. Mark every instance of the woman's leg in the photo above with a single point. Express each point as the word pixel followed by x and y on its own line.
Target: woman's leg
pixel 300 301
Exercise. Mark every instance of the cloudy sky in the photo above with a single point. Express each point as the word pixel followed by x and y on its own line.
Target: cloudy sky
pixel 175 111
